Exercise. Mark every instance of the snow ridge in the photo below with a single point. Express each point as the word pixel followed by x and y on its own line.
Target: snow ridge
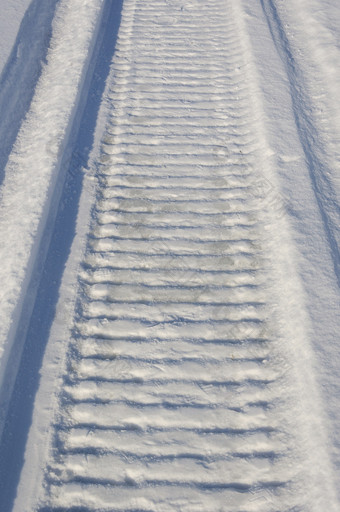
pixel 34 178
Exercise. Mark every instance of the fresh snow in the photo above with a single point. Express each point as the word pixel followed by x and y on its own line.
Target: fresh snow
pixel 169 220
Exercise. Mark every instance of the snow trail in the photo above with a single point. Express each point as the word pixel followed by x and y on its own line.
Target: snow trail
pixel 186 373
pixel 183 388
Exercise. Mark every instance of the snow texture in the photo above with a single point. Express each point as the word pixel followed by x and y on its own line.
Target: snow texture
pixel 169 220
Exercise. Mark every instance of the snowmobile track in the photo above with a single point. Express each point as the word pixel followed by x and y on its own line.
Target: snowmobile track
pixel 172 391
pixel 180 390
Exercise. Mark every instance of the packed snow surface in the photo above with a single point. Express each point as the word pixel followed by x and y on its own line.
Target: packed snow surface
pixel 169 226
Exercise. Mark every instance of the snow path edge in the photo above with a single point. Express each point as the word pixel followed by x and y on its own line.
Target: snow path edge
pixel 46 399
pixel 308 52
pixel 22 72
pixel 295 320
pixel 311 108
pixel 31 190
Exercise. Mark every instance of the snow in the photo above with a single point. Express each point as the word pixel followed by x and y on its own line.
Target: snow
pixel 313 191
pixel 170 247
pixel 11 14
pixel 33 175
pixel 23 58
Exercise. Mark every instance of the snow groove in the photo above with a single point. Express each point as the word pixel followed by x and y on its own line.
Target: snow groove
pixel 174 395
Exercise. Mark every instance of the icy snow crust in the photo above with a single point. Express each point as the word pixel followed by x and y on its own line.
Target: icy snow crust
pixel 191 360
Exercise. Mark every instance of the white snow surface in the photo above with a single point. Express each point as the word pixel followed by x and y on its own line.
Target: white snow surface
pixel 11 14
pixel 32 172
pixel 192 358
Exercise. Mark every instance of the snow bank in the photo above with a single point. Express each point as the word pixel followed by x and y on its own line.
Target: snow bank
pixel 33 172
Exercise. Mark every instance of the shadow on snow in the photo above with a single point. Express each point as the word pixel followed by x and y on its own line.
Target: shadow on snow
pixel 54 249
